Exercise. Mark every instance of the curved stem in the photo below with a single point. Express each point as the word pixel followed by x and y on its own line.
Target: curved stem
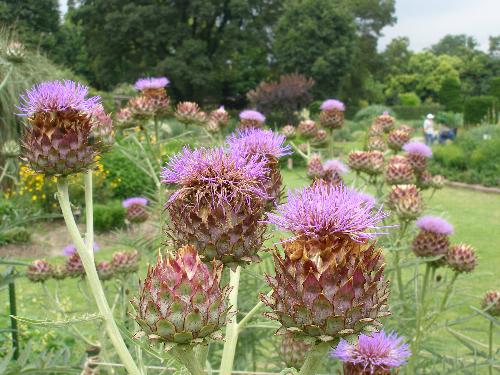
pixel 188 359
pixel 313 359
pixel 229 351
pixel 89 212
pixel 93 279
pixel 490 349
pixel 251 313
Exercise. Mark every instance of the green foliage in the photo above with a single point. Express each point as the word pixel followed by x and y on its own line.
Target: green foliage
pixel 480 108
pixel 415 113
pixel 451 156
pixel 450 119
pixel 450 94
pixel 14 235
pixel 409 99
pixel 109 216
pixel 131 181
pixel 316 38
pixel 367 114
pixel 495 88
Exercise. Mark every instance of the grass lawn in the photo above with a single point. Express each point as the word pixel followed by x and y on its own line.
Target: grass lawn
pixel 475 216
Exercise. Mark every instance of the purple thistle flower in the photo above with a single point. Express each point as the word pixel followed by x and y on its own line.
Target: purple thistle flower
pixel 57 96
pixel 376 352
pixel 252 141
pixel 368 198
pixel 320 211
pixel 434 224
pixel 216 175
pixel 151 83
pixel 70 249
pixel 418 148
pixel 330 104
pixel 335 165
pixel 141 201
pixel 252 115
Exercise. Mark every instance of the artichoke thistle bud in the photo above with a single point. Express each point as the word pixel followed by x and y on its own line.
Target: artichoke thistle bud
pixel 307 128
pixel 220 117
pixel 136 209
pixel 358 160
pixel 376 162
pixel 315 167
pixel 102 128
pixel 376 144
pixel 375 130
pixel 433 238
pixel 461 258
pixel 424 180
pixel 329 268
pixel 386 121
pixel 406 202
pixel 399 174
pixel 181 300
pixel 332 114
pixel 154 99
pixel 438 181
pixel 251 119
pixel 74 266
pixel 39 271
pixel 289 131
pixel 417 154
pixel 219 203
pixel 491 302
pixel 105 270
pixel 320 138
pixel 59 272
pixel 125 262
pixel 333 171
pixel 59 140
pixel 397 138
pixel 190 113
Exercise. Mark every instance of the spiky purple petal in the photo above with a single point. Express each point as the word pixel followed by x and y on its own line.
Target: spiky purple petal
pixel 141 201
pixel 252 141
pixel 250 114
pixel 319 211
pixel 70 249
pixel 151 83
pixel 418 148
pixel 435 224
pixel 335 165
pixel 330 104
pixel 57 96
pixel 375 352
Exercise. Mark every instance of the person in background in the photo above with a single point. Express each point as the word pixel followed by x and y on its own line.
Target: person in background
pixel 445 133
pixel 429 132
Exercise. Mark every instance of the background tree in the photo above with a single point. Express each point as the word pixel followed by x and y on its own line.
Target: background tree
pixel 450 94
pixel 316 38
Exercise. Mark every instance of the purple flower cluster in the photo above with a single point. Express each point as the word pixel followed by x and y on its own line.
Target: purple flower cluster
pixel 434 224
pixel 140 201
pixel 219 174
pixel 330 104
pixel 57 96
pixel 151 83
pixel 252 115
pixel 376 352
pixel 259 142
pixel 320 211
pixel 335 165
pixel 418 148
pixel 70 249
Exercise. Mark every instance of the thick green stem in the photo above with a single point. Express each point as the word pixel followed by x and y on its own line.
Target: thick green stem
pixel 201 353
pixel 314 359
pixel 188 358
pixel 93 279
pixel 397 266
pixel 226 366
pixel 13 321
pixel 89 212
pixel 490 349
pixel 251 313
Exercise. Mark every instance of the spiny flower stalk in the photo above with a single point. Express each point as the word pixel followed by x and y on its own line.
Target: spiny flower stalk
pixel 491 302
pixel 250 118
pixel 59 139
pixel 219 201
pixel 136 209
pixel 433 238
pixel 181 300
pixel 307 128
pixel 266 146
pixel 418 153
pixel 461 258
pixel 332 114
pixel 125 262
pixel 374 354
pixel 406 202
pixel 39 271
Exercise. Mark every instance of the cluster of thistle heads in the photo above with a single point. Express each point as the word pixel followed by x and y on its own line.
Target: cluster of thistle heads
pixel 316 133
pixel 121 264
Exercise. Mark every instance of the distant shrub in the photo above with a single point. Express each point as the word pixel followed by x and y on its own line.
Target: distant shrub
pixel 450 94
pixel 367 114
pixel 409 99
pixel 14 235
pixel 109 216
pixel 480 108
pixel 404 112
pixel 450 119
pixel 278 100
pixel 495 88
pixel 451 156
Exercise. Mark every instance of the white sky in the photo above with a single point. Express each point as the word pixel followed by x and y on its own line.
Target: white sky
pixel 427 21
